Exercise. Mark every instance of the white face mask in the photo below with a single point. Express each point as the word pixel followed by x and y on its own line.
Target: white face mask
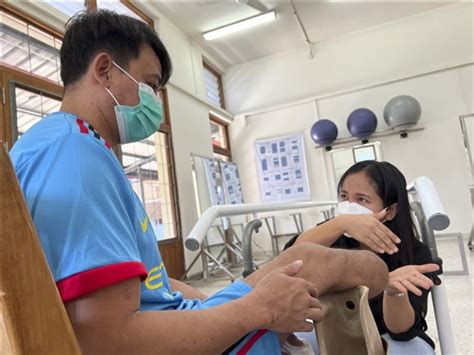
pixel 347 207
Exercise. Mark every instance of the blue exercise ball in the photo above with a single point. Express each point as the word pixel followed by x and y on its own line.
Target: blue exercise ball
pixel 361 123
pixel 324 132
pixel 402 112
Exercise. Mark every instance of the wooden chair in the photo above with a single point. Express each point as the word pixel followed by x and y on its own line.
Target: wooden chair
pixel 35 319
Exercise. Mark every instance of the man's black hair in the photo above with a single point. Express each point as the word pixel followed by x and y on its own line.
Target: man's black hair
pixel 121 36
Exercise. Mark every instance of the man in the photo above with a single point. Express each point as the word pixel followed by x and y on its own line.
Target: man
pixel 94 231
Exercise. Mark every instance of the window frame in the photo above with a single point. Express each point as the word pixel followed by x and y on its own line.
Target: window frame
pixel 166 129
pixel 209 67
pixel 219 150
pixel 30 20
pixel 26 81
pixel 92 5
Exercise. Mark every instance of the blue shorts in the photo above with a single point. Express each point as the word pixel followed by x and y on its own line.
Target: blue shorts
pixel 259 342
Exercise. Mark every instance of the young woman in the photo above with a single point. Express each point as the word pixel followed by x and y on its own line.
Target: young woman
pixel 374 214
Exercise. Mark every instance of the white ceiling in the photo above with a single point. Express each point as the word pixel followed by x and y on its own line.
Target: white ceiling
pixel 322 20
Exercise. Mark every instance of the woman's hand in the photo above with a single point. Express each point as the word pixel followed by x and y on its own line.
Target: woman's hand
pixel 410 278
pixel 369 230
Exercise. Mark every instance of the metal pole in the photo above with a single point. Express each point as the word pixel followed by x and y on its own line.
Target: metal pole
pixel 247 246
pixel 438 294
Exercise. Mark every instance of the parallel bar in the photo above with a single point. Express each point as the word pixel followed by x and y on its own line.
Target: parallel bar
pixel 427 206
pixel 200 229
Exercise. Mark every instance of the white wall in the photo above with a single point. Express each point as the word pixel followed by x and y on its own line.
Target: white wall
pixel 187 60
pixel 430 42
pixel 191 134
pixel 421 43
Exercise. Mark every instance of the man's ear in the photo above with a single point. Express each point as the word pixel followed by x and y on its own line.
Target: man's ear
pixel 101 69
pixel 392 211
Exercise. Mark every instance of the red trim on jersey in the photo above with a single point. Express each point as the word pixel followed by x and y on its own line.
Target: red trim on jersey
pixel 82 128
pixel 245 349
pixel 86 130
pixel 92 280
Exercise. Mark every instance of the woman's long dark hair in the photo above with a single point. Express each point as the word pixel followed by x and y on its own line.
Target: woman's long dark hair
pixel 390 185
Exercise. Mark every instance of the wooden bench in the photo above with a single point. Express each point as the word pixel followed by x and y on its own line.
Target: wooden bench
pixel 33 314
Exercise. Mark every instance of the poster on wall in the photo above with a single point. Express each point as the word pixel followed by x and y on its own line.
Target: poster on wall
pixel 281 166
pixel 213 177
pixel 231 183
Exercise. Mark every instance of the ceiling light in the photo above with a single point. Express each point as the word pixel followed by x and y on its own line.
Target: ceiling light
pixel 240 25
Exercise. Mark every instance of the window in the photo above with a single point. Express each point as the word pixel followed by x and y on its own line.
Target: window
pixel 344 158
pixel 364 153
pixel 213 84
pixel 220 139
pixel 28 48
pixel 148 165
pixel 222 157
pixel 218 134
pixel 68 7
pixel 30 107
pixel 124 7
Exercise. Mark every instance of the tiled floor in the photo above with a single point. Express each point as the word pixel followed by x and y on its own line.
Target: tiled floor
pixel 459 290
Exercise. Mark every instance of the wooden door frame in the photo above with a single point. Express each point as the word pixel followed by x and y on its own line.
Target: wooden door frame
pixel 172 248
pixel 27 81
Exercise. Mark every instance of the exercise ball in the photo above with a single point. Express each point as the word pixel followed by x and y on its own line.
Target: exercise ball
pixel 402 112
pixel 361 123
pixel 324 132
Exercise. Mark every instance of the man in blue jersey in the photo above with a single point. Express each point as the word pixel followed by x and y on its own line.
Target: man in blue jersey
pixel 96 235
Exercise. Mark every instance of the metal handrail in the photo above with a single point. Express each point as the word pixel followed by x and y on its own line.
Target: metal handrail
pixel 201 228
pixel 430 216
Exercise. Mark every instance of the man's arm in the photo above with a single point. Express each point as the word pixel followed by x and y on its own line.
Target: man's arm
pixel 188 292
pixel 108 321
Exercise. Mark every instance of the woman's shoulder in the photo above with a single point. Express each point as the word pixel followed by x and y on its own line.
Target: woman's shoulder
pixel 421 253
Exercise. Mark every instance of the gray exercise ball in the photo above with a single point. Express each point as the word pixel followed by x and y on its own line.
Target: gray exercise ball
pixel 402 112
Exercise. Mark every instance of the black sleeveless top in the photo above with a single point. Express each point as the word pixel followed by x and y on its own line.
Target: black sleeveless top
pixel 421 255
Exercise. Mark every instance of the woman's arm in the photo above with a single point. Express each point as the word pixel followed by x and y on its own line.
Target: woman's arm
pixel 398 312
pixel 366 229
pixel 324 234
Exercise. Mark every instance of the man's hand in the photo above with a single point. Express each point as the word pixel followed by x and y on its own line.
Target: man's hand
pixel 288 301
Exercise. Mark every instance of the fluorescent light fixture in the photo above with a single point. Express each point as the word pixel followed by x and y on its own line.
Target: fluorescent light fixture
pixel 240 25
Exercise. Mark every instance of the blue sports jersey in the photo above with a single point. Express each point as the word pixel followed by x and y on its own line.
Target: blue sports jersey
pixel 93 228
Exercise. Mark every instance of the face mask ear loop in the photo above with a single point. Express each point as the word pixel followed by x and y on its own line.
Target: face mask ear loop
pixel 125 72
pixel 386 219
pixel 113 97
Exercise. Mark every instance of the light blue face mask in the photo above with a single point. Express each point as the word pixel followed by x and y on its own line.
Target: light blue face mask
pixel 142 120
